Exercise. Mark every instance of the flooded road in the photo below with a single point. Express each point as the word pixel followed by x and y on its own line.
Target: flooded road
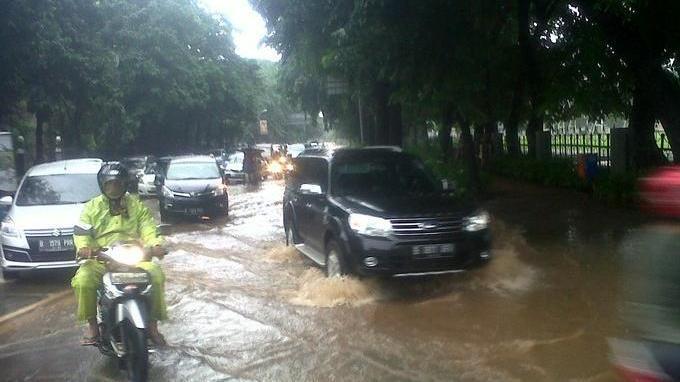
pixel 244 307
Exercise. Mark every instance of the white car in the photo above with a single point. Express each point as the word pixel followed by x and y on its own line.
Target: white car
pixel 37 233
pixel 146 186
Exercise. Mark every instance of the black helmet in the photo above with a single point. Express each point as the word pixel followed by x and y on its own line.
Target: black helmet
pixel 113 179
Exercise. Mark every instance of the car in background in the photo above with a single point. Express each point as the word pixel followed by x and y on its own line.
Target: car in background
pixel 379 211
pixel 37 233
pixel 192 186
pixel 233 167
pixel 135 167
pixel 146 183
pixel 296 149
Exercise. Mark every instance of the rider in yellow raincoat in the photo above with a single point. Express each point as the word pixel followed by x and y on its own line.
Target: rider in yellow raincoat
pixel 116 216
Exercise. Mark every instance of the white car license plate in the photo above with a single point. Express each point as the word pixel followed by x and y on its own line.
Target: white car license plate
pixel 55 245
pixel 433 250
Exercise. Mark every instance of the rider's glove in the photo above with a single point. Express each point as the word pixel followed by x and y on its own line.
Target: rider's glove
pixel 85 253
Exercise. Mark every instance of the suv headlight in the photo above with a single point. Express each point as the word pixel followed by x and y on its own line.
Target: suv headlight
pixel 167 193
pixel 477 222
pixel 220 190
pixel 9 229
pixel 370 225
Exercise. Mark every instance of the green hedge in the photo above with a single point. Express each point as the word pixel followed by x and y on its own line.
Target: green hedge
pixel 607 186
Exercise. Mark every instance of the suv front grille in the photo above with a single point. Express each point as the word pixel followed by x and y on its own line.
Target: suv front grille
pixel 427 228
pixel 48 232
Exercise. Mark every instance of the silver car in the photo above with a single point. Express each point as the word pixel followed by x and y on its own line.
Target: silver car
pixel 37 233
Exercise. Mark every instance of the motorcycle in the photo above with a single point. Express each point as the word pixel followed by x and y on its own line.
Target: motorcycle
pixel 122 307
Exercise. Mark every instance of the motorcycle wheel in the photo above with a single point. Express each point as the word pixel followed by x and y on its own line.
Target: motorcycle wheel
pixel 137 353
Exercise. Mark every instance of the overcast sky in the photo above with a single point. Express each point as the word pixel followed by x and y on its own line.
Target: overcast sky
pixel 249 28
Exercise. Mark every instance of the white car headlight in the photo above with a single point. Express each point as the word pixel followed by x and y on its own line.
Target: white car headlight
pixel 370 225
pixel 220 190
pixel 477 222
pixel 9 229
pixel 167 193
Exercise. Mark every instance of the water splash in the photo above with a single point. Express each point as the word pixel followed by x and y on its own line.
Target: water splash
pixel 317 290
pixel 282 254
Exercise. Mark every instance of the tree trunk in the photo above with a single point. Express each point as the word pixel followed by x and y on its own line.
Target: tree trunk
pixel 395 125
pixel 382 127
pixel 645 152
pixel 469 156
pixel 531 73
pixel 535 125
pixel 512 123
pixel 42 118
pixel 445 134
pixel 668 108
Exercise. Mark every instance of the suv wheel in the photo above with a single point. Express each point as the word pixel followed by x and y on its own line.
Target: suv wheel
pixel 335 261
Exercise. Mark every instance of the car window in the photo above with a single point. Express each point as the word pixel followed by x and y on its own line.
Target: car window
pixel 390 175
pixel 311 171
pixel 57 189
pixel 235 162
pixel 192 170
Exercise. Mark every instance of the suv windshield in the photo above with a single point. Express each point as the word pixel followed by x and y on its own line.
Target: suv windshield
pixel 193 170
pixel 393 175
pixel 57 189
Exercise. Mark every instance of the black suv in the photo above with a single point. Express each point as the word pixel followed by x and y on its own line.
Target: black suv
pixel 378 211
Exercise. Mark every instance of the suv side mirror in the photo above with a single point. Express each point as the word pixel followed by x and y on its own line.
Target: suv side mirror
pixel 158 180
pixel 6 201
pixel 310 189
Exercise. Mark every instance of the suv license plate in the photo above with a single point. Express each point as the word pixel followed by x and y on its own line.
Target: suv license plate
pixel 55 245
pixel 194 211
pixel 433 250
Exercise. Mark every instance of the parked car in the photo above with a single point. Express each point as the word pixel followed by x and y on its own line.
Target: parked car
pixel 192 186
pixel 135 166
pixel 146 184
pixel 38 230
pixel 233 168
pixel 378 211
pixel 295 149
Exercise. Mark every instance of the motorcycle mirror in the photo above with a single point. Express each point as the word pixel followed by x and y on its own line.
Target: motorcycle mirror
pixel 163 229
pixel 82 229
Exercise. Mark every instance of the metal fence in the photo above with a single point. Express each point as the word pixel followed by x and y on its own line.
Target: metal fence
pixel 572 145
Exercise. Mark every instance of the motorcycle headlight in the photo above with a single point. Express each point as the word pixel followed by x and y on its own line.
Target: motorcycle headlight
pixel 220 190
pixel 9 229
pixel 275 167
pixel 477 222
pixel 128 255
pixel 130 278
pixel 167 192
pixel 370 225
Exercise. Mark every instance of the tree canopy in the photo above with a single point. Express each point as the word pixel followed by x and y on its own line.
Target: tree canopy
pixel 481 63
pixel 118 77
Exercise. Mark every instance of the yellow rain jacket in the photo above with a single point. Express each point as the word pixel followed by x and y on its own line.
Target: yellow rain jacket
pixel 136 224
